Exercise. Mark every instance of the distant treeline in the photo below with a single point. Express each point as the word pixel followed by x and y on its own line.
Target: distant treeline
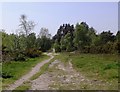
pixel 85 40
pixel 24 43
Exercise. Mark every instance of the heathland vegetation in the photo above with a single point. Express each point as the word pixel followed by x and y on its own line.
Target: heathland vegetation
pixel 94 54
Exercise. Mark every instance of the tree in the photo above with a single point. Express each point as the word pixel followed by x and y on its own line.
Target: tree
pixel 31 40
pixel 82 38
pixel 92 35
pixel 67 42
pixel 22 42
pixel 118 36
pixel 44 32
pixel 106 37
pixel 63 44
pixel 11 47
pixel 62 31
pixel 57 46
pixel 25 25
pixel 45 44
pixel 26 28
pixel 118 41
pixel 64 37
pixel 43 41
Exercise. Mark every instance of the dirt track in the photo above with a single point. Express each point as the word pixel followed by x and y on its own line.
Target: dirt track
pixel 59 76
pixel 63 76
pixel 30 74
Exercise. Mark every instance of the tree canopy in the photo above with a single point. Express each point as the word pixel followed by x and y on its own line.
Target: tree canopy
pixel 80 37
pixel 84 39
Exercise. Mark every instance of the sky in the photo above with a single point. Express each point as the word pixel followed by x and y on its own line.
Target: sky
pixel 103 16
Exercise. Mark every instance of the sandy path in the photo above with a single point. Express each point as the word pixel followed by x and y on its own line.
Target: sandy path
pixel 63 77
pixel 30 74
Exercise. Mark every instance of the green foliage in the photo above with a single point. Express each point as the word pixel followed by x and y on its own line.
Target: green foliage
pixel 106 37
pixel 118 47
pixel 22 42
pixel 118 36
pixel 6 75
pixel 111 66
pixel 32 52
pixel 66 42
pixel 31 39
pixel 44 43
pixel 69 42
pixel 62 31
pixel 19 47
pixel 9 41
pixel 63 44
pixel 85 39
pixel 57 47
pixel 17 55
pixel 82 37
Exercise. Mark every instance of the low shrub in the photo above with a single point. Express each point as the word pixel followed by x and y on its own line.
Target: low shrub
pixel 57 47
pixel 32 52
pixel 6 75
pixel 18 55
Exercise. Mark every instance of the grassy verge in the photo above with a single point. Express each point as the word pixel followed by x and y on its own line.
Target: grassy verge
pixel 24 86
pixel 95 66
pixel 16 69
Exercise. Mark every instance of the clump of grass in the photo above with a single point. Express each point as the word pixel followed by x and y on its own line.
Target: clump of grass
pixel 23 87
pixel 111 66
pixel 42 70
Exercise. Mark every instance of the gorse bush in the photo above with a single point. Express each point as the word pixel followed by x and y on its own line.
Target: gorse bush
pixel 32 52
pixel 7 75
pixel 20 57
pixel 24 43
pixel 57 47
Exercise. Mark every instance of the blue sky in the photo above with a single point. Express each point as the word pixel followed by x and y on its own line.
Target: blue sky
pixel 101 16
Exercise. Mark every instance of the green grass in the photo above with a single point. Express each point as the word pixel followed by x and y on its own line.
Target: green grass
pixel 23 87
pixel 106 66
pixel 95 66
pixel 17 69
